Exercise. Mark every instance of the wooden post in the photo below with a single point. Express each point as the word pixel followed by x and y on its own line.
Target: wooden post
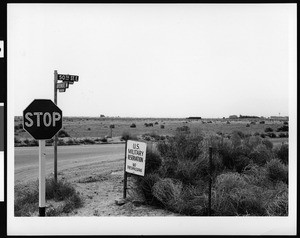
pixel 55 137
pixel 210 180
pixel 42 180
pixel 125 173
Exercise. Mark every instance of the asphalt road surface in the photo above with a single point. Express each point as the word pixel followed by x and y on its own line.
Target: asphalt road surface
pixel 27 158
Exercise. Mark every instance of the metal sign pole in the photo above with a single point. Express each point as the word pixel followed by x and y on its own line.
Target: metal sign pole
pixel 42 180
pixel 210 180
pixel 55 137
pixel 125 173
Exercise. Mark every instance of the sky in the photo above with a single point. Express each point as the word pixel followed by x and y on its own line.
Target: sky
pixel 153 60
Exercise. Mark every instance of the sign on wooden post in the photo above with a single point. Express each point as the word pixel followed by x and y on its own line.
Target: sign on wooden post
pixel 136 157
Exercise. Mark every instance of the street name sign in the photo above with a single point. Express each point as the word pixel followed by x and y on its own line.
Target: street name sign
pixel 67 77
pixel 42 119
pixel 136 157
pixel 62 85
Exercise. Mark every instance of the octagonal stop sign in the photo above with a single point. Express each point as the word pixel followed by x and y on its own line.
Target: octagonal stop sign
pixel 42 119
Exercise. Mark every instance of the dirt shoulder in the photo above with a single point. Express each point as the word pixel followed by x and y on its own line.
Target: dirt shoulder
pixel 100 185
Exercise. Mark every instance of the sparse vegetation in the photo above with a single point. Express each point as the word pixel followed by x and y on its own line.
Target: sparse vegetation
pixel 63 133
pixel 27 197
pixel 247 175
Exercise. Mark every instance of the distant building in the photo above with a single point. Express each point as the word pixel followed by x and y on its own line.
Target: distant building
pixel 279 118
pixel 194 118
pixel 233 117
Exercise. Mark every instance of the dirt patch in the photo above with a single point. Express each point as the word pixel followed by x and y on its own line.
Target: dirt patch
pixel 100 185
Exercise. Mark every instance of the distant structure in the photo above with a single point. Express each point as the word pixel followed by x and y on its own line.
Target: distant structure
pixel 279 117
pixel 233 117
pixel 194 118
pixel 102 115
pixel 245 116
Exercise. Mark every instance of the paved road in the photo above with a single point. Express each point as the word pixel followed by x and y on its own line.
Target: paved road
pixel 27 161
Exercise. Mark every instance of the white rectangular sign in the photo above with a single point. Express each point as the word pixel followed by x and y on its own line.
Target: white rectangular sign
pixel 136 157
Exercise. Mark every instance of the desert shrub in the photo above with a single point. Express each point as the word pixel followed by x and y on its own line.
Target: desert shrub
pixel 127 136
pixel 234 196
pixel 133 125
pixel 252 142
pixel 19 127
pixel 282 135
pixel 112 126
pixel 263 135
pixel 49 142
pixel 61 142
pixel 31 142
pixel 58 190
pixel 261 155
pixel 17 141
pixel 256 175
pixel 282 153
pixel 186 200
pixel 153 161
pixel 268 129
pixel 88 141
pixel 271 135
pixel 284 128
pixel 189 172
pixel 241 162
pixel 145 186
pixel 27 197
pixel 277 171
pixel 236 138
pixel 277 204
pixel 162 127
pixel 183 146
pixel 262 122
pixel 156 123
pixel 193 201
pixel 227 153
pixel 104 140
pixel 168 192
pixel 70 142
pixel 184 129
pixel 154 135
pixel 63 133
pixel 248 125
pixel 268 144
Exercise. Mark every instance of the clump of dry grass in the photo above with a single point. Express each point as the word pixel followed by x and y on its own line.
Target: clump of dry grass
pixel 27 197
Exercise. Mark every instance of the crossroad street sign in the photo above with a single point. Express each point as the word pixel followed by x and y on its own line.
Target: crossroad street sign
pixel 42 119
pixel 62 85
pixel 68 77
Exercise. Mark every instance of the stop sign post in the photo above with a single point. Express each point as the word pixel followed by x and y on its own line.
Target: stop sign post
pixel 42 119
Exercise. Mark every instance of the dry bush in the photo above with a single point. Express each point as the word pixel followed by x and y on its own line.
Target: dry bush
pixel 277 171
pixel 282 153
pixel 261 155
pixel 277 203
pixel 234 196
pixel 168 192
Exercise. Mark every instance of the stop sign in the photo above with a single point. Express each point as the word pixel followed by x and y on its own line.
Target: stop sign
pixel 42 119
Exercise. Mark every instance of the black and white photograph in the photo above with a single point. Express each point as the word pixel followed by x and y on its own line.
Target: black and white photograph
pixel 151 119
